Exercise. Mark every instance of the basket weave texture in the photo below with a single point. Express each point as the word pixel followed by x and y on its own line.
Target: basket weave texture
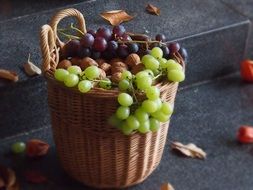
pixel 90 150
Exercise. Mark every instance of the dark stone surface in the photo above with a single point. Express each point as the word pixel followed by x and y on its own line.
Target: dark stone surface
pixel 207 115
pixel 245 8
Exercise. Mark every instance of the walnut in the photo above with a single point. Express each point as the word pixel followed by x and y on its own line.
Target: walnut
pixel 76 61
pixel 102 74
pixel 106 67
pixel 137 68
pixel 132 60
pixel 119 64
pixel 100 61
pixel 117 69
pixel 64 64
pixel 86 62
pixel 115 60
pixel 116 77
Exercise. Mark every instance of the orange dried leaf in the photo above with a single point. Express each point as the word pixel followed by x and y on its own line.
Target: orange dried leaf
pixel 34 176
pixel 190 150
pixel 167 186
pixel 153 10
pixel 36 148
pixel 116 17
pixel 9 75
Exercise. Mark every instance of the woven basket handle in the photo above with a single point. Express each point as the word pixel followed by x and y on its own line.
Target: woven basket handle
pixel 49 49
pixel 63 14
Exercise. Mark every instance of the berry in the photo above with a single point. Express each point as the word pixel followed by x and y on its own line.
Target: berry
pixel 123 51
pixel 18 147
pixel 160 37
pixel 118 30
pixel 100 44
pixel 133 48
pixel 174 47
pixel 104 33
pixel 87 40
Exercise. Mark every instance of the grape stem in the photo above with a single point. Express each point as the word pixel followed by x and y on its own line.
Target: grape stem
pixel 141 42
pixel 133 91
pixel 157 76
pixel 74 28
pixel 69 36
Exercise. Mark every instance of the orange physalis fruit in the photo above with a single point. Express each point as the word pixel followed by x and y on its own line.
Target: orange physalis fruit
pixel 36 148
pixel 245 134
pixel 247 70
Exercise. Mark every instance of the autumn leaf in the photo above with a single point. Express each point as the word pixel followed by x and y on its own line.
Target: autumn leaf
pixel 34 176
pixel 36 148
pixel 116 17
pixel 31 69
pixel 9 75
pixel 167 186
pixel 190 150
pixel 8 180
pixel 153 10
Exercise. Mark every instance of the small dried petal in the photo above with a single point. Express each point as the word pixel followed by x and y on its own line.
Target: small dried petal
pixel 9 75
pixel 190 150
pixel 116 17
pixel 152 9
pixel 36 148
pixel 167 186
pixel 34 176
pixel 31 69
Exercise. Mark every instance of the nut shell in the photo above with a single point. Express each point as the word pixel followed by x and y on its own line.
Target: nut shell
pixel 137 68
pixel 116 77
pixel 64 64
pixel 132 60
pixel 115 60
pixel 120 64
pixel 100 61
pixel 102 74
pixel 106 67
pixel 76 61
pixel 118 69
pixel 86 62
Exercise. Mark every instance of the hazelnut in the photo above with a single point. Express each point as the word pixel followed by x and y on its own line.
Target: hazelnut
pixel 117 69
pixel 100 61
pixel 76 61
pixel 106 67
pixel 115 60
pixel 137 68
pixel 132 60
pixel 64 64
pixel 116 77
pixel 119 64
pixel 86 62
pixel 102 74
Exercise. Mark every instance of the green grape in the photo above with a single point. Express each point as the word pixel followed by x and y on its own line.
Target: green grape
pixel 122 112
pixel 146 57
pixel 152 93
pixel 132 122
pixel 60 74
pixel 144 127
pixel 160 116
pixel 150 72
pixel 176 75
pixel 84 86
pixel 166 108
pixel 157 52
pixel 172 64
pixel 152 64
pixel 126 130
pixel 74 69
pixel 144 82
pixel 158 103
pixel 141 115
pixel 124 85
pixel 163 62
pixel 18 147
pixel 71 80
pixel 156 72
pixel 149 106
pixel 154 124
pixel 141 74
pixel 105 83
pixel 92 72
pixel 126 75
pixel 114 121
pixel 125 99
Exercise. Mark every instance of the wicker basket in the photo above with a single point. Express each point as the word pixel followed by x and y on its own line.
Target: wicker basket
pixel 90 150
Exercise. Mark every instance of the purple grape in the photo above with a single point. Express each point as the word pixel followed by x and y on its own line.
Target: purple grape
pixel 85 52
pixel 92 32
pixel 87 40
pixel 112 46
pixel 123 51
pixel 160 37
pixel 104 33
pixel 118 31
pixel 100 44
pixel 183 53
pixel 126 37
pixel 133 47
pixel 166 51
pixel 95 55
pixel 174 47
pixel 142 52
pixel 72 48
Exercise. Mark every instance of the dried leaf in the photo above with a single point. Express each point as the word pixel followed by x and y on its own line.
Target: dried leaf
pixel 8 179
pixel 153 10
pixel 31 69
pixel 167 186
pixel 36 148
pixel 190 150
pixel 116 17
pixel 34 176
pixel 9 75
